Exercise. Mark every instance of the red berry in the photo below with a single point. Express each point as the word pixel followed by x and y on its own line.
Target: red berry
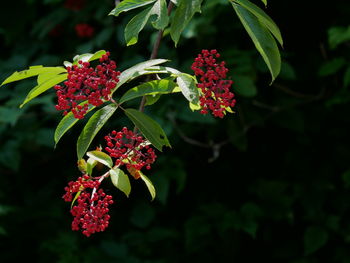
pixel 84 83
pixel 216 95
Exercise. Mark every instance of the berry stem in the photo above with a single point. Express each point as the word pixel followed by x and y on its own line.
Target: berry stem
pixel 95 188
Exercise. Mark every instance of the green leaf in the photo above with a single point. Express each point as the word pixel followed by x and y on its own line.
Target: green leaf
pixel 153 87
pixel 135 25
pixel 82 166
pixel 262 17
pixel 245 86
pixel 87 57
pixel 67 64
pixel 75 198
pixel 338 35
pixel 160 9
pixel 346 79
pixel 149 128
pixel 101 157
pixel 97 55
pixel 92 127
pixel 128 5
pixel 262 38
pixel 137 70
pixel 151 99
pixel 149 185
pixel 90 164
pixel 187 84
pixel 265 2
pixel 43 77
pixel 120 180
pixel 31 72
pixel 314 238
pixel 331 67
pixel 67 122
pixel 183 14
pixel 44 86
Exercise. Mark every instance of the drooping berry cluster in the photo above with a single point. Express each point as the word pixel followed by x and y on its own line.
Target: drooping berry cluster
pixel 86 83
pixel 91 210
pixel 84 30
pixel 130 150
pixel 215 88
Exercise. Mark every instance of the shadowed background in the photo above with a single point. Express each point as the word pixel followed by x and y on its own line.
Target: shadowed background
pixel 270 182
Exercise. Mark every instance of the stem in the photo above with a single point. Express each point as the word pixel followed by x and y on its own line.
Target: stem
pixel 95 188
pixel 154 53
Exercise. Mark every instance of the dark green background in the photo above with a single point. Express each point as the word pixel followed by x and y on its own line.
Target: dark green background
pixel 269 183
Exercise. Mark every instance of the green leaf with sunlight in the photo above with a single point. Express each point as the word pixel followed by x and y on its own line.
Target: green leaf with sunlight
pixel 67 122
pixel 90 164
pixel 265 2
pixel 137 70
pixel 160 9
pixel 149 128
pixel 149 185
pixel 87 57
pixel 153 87
pixel 101 157
pixel 135 25
pixel 44 86
pixel 188 87
pixel 128 5
pixel 262 17
pixel 183 15
pixel 31 72
pixel 262 38
pixel 120 180
pixel 92 127
pixel 138 22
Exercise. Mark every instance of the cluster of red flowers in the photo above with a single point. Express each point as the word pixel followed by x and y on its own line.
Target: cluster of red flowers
pixel 130 150
pixel 215 88
pixel 91 210
pixel 84 30
pixel 85 83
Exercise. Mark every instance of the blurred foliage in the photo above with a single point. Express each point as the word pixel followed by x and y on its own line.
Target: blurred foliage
pixel 270 182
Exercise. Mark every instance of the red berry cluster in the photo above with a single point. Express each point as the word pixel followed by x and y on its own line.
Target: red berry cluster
pixel 89 84
pixel 216 95
pixel 84 30
pixel 130 150
pixel 91 210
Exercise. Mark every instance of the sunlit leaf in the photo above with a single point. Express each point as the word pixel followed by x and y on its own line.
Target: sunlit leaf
pixel 262 38
pixel 262 17
pixel 120 180
pixel 149 128
pixel 183 14
pixel 135 25
pixel 67 122
pixel 154 87
pixel 149 185
pixel 44 86
pixel 160 9
pixel 31 72
pixel 128 5
pixel 92 127
pixel 187 84
pixel 136 71
pixel 101 157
